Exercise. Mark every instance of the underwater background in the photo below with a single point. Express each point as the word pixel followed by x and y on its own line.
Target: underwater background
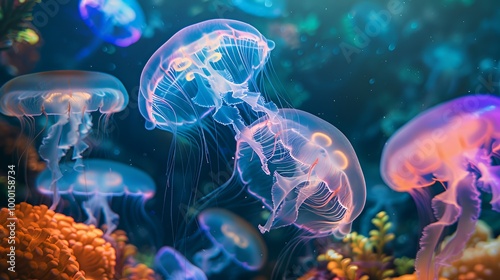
pixel 365 67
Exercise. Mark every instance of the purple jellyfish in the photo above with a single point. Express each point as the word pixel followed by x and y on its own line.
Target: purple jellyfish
pixel 316 182
pixel 171 264
pixel 456 145
pixel 233 239
pixel 99 180
pixel 68 97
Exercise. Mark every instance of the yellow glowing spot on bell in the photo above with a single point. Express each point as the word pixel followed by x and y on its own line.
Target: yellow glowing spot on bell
pixel 58 97
pixel 320 135
pixel 214 57
pixel 88 178
pixel 341 159
pixel 181 63
pixel 113 179
pixel 189 76
pixel 229 233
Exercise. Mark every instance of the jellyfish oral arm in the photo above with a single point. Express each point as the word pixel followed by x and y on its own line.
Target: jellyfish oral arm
pixel 490 182
pixel 94 206
pixel 447 211
pixel 69 131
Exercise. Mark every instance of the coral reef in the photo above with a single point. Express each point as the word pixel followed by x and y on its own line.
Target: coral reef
pixel 362 258
pixel 50 245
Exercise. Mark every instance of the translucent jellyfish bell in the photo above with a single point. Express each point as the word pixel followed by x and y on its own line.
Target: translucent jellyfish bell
pixel 234 240
pixel 262 8
pixel 172 265
pixel 204 69
pixel 119 22
pixel 68 97
pixel 315 180
pixel 454 144
pixel 99 180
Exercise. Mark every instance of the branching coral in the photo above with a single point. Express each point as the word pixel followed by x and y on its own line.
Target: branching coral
pixel 368 253
pixel 127 266
pixel 367 259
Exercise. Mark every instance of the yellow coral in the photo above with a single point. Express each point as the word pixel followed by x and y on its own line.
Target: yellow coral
pixel 340 266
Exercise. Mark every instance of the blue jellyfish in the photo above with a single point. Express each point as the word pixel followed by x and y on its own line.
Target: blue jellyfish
pixel 447 63
pixel 98 181
pixel 67 97
pixel 262 8
pixel 171 264
pixel 118 22
pixel 207 69
pixel 234 241
pixel 115 21
pixel 316 182
pixel 369 27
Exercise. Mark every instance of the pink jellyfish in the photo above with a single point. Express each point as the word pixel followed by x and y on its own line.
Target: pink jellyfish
pixel 455 144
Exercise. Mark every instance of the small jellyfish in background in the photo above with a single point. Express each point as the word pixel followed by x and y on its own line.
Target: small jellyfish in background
pixel 118 22
pixel 370 27
pixel 172 265
pixel 207 69
pixel 98 181
pixel 456 145
pixel 262 8
pixel 234 241
pixel 67 97
pixel 316 182
pixel 448 62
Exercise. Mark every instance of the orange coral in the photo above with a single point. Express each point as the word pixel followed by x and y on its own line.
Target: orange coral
pixel 126 266
pixel 38 254
pixel 93 254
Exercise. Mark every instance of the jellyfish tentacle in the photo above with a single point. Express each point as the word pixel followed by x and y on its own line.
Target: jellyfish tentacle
pixel 447 211
pixel 490 182
pixel 51 152
pixel 468 199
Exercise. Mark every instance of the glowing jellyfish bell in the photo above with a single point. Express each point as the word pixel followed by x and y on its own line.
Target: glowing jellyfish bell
pixel 98 181
pixel 456 145
pixel 316 182
pixel 262 8
pixel 171 264
pixel 68 97
pixel 209 68
pixel 234 240
pixel 119 22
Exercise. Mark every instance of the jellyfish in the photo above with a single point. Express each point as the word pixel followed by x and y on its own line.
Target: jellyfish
pixel 207 69
pixel 171 264
pixel 234 241
pixel 262 8
pixel 316 182
pixel 67 97
pixel 448 63
pixel 118 22
pixel 454 144
pixel 99 180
